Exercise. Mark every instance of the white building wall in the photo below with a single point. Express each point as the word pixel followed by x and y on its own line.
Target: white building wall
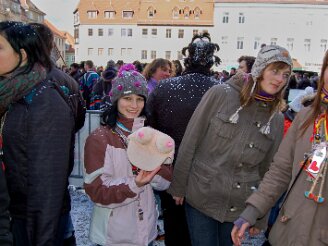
pixel 136 43
pixel 267 21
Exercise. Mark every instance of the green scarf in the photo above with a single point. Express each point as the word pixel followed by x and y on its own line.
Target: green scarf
pixel 18 85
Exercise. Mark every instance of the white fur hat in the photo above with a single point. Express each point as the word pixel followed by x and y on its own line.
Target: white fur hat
pixel 149 148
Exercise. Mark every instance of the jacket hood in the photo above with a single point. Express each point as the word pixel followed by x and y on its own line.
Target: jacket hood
pixel 238 80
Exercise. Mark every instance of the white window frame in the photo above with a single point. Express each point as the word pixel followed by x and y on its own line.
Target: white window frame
pixel 168 33
pixel 92 14
pixel 180 33
pixel 143 54
pixel 127 14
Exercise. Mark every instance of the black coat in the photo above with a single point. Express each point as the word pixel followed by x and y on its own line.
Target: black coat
pixel 172 103
pixel 75 97
pixel 37 137
pixel 5 235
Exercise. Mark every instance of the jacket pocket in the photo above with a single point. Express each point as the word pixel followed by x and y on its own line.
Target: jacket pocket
pixel 199 183
pixel 98 225
pixel 221 133
pixel 121 220
pixel 256 150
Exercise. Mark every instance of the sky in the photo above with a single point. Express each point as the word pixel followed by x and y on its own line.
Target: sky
pixel 59 12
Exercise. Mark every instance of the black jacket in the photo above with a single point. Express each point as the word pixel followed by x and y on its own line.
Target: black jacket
pixel 173 102
pixel 37 137
pixel 5 235
pixel 75 97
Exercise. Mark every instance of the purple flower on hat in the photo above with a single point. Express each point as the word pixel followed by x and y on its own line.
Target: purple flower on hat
pixel 127 67
pixel 137 84
pixel 135 73
pixel 120 87
pixel 120 74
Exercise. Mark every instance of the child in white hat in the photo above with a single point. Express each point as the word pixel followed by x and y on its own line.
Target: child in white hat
pixel 124 161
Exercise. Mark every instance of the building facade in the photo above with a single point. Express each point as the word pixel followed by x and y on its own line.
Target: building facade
pixel 20 10
pixel 242 26
pixel 69 49
pixel 138 30
pixel 59 50
pixel 148 29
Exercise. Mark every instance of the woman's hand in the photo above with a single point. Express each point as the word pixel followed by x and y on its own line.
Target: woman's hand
pixel 238 234
pixel 144 177
pixel 253 231
pixel 178 200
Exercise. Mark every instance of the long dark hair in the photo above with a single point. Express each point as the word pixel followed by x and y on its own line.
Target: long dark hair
pixel 22 36
pixel 110 115
pixel 316 106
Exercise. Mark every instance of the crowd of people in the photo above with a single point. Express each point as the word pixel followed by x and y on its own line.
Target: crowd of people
pixel 210 152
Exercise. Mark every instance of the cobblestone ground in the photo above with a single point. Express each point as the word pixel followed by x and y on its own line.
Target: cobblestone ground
pixel 81 213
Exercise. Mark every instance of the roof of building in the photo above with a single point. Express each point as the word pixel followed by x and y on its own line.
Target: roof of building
pixel 31 6
pixel 188 13
pixel 198 12
pixel 311 2
pixel 54 29
pixel 69 38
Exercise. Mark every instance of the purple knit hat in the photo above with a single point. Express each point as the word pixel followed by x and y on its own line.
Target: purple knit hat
pixel 128 81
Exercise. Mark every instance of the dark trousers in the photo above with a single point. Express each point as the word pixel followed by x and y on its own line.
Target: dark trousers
pixel 205 231
pixel 175 224
pixel 18 228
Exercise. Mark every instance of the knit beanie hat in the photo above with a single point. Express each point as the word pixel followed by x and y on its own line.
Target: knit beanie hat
pixel 267 55
pixel 128 81
pixel 149 148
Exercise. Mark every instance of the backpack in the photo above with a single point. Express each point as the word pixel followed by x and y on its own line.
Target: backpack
pixel 75 102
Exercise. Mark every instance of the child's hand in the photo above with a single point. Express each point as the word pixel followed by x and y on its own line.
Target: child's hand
pixel 144 177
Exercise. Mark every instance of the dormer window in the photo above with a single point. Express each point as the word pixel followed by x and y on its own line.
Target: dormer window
pixel 76 18
pixel 186 13
pixel 127 14
pixel 109 14
pixel 175 13
pixel 92 14
pixel 151 12
pixel 197 13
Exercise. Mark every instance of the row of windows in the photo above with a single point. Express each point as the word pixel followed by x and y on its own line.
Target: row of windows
pixel 274 41
pixel 186 13
pixel 126 14
pixel 127 32
pixel 225 18
pixel 128 51
pixel 241 19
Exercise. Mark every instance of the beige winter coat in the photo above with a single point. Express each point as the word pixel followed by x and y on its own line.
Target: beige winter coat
pixel 220 164
pixel 301 221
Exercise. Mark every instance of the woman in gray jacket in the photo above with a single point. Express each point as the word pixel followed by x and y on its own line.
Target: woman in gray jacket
pixel 300 167
pixel 228 146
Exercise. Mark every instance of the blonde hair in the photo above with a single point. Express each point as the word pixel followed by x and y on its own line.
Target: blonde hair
pixel 247 98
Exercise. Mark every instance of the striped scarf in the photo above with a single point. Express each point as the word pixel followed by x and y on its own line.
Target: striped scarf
pixel 18 85
pixel 264 97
